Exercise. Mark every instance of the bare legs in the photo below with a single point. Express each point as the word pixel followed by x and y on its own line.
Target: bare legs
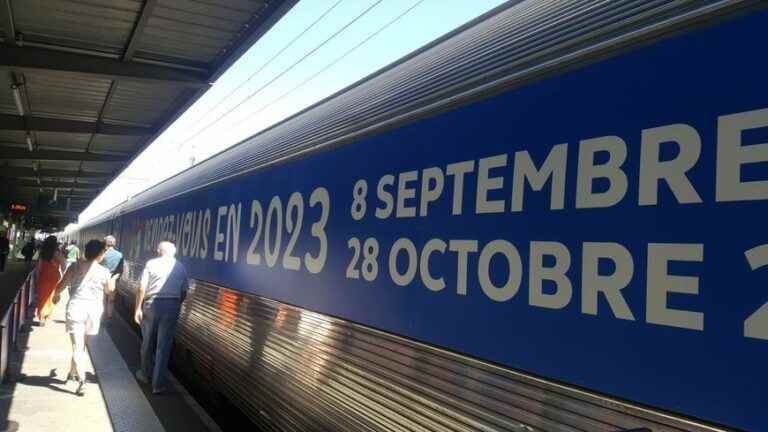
pixel 72 369
pixel 42 320
pixel 77 366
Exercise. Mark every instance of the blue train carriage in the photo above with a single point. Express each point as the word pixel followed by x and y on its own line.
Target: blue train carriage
pixel 551 219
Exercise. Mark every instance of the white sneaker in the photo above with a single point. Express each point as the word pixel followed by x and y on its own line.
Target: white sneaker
pixel 140 377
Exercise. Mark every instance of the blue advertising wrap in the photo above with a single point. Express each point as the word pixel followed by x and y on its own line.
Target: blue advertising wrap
pixel 605 227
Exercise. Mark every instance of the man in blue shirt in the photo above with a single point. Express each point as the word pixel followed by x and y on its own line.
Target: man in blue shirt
pixel 113 261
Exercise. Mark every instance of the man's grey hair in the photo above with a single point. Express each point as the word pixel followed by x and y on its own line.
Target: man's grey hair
pixel 111 241
pixel 166 248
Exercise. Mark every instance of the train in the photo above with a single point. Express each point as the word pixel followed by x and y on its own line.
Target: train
pixel 550 219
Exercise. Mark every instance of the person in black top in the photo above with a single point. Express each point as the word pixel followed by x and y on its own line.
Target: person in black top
pixel 28 251
pixel 5 249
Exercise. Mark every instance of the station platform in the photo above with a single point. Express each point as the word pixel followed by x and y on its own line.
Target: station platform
pixel 36 397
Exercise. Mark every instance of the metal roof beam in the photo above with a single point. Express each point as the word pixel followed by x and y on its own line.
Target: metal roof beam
pixel 28 186
pixel 22 153
pixel 6 19
pixel 74 203
pixel 16 172
pixel 138 29
pixel 63 212
pixel 38 59
pixel 61 206
pixel 54 184
pixel 29 192
pixel 45 124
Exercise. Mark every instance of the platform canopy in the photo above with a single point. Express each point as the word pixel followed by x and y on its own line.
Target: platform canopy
pixel 86 85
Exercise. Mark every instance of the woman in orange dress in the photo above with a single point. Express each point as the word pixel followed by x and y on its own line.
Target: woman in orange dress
pixel 48 276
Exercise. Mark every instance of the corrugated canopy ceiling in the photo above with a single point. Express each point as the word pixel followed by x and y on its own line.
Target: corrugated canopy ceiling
pixel 85 85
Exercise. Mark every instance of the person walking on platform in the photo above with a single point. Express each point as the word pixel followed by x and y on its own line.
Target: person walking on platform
pixel 28 251
pixel 87 282
pixel 72 252
pixel 113 261
pixel 5 249
pixel 164 285
pixel 49 267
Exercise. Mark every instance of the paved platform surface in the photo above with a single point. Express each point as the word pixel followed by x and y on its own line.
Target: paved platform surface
pixel 37 397
pixel 175 409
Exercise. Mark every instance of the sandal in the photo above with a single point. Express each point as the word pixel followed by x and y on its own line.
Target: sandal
pixel 80 388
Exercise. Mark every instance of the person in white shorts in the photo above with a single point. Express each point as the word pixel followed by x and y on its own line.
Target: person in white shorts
pixel 87 282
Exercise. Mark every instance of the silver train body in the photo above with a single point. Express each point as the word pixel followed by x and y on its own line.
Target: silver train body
pixel 292 369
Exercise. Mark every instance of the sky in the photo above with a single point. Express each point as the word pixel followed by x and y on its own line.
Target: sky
pixel 318 48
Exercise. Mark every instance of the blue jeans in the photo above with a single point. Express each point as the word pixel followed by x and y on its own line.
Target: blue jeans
pixel 157 329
